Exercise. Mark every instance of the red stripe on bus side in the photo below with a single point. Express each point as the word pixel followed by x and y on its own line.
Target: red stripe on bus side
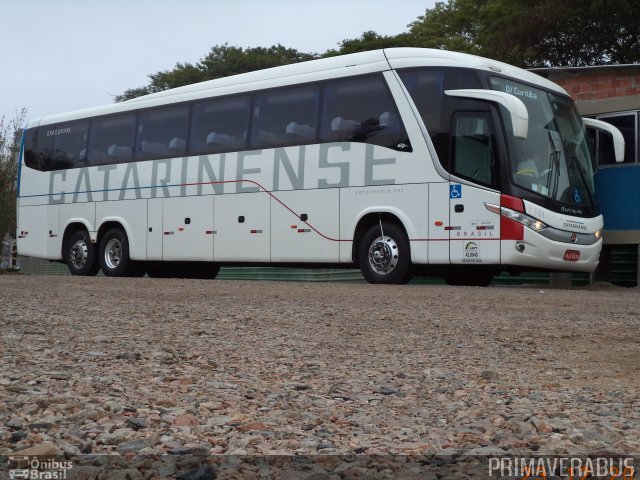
pixel 253 182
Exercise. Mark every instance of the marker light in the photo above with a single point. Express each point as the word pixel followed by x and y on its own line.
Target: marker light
pixel 538 225
pixel 516 216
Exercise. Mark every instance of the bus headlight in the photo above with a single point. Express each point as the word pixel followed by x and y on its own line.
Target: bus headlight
pixel 533 223
pixel 598 234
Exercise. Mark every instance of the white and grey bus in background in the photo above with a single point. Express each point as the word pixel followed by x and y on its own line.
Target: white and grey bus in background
pixel 401 161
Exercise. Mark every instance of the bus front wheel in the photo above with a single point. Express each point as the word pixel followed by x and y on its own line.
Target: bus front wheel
pixel 114 253
pixel 81 255
pixel 384 254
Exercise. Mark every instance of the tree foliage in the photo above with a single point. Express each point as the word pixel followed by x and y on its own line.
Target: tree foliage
pixel 371 41
pixel 580 33
pixel 221 61
pixel 9 145
pixel 224 60
pixel 535 33
pixel 527 33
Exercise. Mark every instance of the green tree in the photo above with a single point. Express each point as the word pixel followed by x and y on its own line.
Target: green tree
pixel 9 146
pixel 224 60
pixel 221 61
pixel 450 26
pixel 535 33
pixel 582 33
pixel 372 41
pixel 527 33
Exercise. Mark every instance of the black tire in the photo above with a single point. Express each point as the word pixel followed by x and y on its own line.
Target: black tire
pixel 114 254
pixel 385 259
pixel 81 255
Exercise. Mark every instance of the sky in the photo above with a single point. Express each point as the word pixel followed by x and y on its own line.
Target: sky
pixel 64 55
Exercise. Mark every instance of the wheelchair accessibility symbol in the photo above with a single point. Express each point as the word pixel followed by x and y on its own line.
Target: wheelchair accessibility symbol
pixel 455 191
pixel 577 198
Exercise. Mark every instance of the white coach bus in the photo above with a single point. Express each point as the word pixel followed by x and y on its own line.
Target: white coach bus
pixel 400 161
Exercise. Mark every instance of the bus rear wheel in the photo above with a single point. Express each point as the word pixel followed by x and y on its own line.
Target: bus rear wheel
pixel 81 255
pixel 114 255
pixel 384 254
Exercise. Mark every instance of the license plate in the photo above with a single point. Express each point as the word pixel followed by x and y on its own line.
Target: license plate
pixel 572 255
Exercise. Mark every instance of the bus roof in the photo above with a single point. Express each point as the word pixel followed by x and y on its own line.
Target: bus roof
pixel 313 70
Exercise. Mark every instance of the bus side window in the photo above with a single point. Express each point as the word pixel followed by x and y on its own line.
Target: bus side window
pixel 219 125
pixel 473 148
pixel 426 85
pixel 362 110
pixel 162 132
pixel 111 139
pixel 70 145
pixel 38 152
pixel 57 146
pixel 285 117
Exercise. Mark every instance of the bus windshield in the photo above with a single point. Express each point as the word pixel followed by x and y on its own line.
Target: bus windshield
pixel 553 161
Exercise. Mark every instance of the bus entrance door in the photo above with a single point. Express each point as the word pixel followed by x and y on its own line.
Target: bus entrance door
pixel 474 231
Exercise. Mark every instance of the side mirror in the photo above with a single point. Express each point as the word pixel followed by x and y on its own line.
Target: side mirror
pixel 618 139
pixel 516 107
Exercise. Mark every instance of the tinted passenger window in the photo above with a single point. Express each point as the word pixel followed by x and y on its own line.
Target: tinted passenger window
pixel 426 87
pixel 38 153
pixel 70 144
pixel 54 147
pixel 219 125
pixel 162 133
pixel 362 110
pixel 285 117
pixel 112 139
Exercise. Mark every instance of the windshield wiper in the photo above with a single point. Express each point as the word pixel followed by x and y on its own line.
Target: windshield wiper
pixel 554 159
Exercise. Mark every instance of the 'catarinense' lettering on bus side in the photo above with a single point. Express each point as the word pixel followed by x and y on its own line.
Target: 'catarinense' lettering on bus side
pixel 291 168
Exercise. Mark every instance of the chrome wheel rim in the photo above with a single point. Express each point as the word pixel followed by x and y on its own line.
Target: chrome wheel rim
pixel 79 254
pixel 383 255
pixel 113 253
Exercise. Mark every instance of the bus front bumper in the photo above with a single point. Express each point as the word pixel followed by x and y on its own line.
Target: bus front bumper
pixel 537 251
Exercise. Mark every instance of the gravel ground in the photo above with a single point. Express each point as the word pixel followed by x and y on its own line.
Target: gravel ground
pixel 152 366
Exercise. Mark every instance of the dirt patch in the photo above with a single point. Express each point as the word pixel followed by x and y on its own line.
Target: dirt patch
pixel 103 365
